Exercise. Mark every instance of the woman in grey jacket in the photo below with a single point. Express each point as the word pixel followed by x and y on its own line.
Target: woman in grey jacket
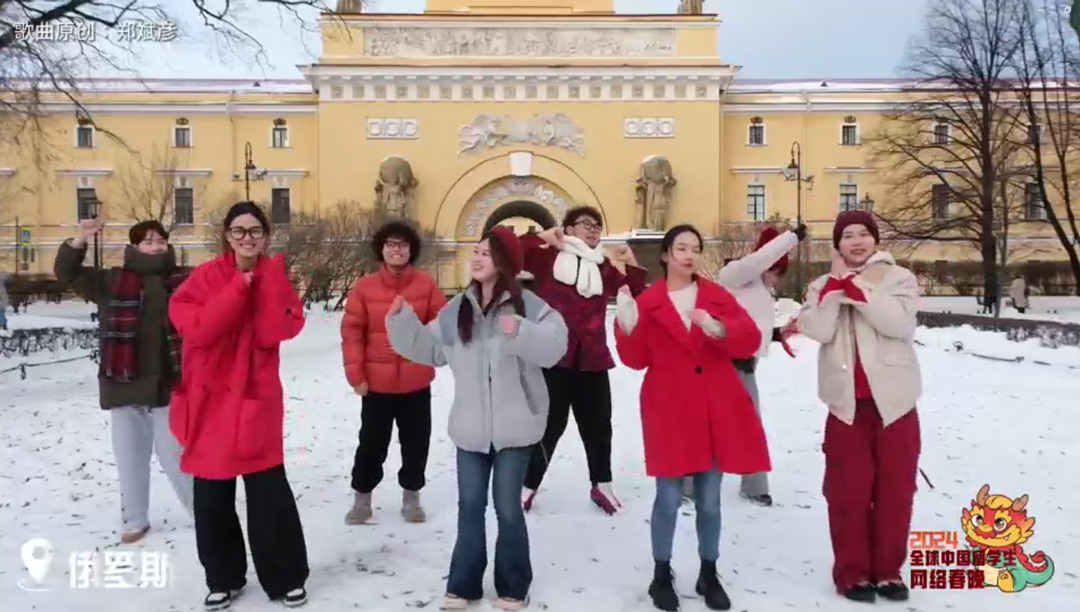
pixel 496 338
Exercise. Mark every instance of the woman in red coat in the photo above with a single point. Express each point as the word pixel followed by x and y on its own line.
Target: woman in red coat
pixel 233 313
pixel 696 416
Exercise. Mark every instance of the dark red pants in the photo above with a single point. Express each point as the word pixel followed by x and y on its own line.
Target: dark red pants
pixel 870 488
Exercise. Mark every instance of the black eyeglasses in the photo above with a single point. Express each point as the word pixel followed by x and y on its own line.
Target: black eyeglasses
pixel 238 233
pixel 590 226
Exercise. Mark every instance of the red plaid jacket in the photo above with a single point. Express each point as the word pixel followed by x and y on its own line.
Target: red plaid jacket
pixel 587 347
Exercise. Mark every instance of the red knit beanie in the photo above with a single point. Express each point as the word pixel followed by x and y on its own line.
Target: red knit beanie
pixel 511 245
pixel 854 217
pixel 767 235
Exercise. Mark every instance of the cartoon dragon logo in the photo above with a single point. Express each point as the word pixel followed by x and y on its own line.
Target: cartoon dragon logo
pixel 999 526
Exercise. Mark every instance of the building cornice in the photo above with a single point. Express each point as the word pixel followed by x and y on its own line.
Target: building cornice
pixel 287 173
pixel 757 170
pixel 84 172
pixel 184 108
pixel 849 170
pixel 473 21
pixel 192 172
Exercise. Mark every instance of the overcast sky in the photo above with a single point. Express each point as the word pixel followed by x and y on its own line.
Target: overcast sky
pixel 775 39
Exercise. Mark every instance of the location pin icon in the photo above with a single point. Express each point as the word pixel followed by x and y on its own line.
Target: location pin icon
pixel 37 556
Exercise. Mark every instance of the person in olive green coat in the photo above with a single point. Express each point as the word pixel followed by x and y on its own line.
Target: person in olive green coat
pixel 139 361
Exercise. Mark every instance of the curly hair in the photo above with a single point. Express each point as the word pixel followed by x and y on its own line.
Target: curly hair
pixel 400 230
pixel 571 217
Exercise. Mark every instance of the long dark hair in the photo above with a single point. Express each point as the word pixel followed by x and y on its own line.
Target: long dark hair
pixel 504 281
pixel 239 209
pixel 669 241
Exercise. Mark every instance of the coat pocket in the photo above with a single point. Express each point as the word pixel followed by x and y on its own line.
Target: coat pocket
pixel 896 352
pixel 252 430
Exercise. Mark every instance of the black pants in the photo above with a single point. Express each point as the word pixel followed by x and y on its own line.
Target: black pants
pixel 412 411
pixel 274 532
pixel 589 394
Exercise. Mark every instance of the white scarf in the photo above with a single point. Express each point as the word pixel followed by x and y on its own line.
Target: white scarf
pixel 577 264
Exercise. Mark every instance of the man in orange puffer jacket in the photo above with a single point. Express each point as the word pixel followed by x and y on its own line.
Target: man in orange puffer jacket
pixel 392 388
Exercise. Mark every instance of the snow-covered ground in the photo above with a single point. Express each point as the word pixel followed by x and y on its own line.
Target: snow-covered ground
pixel 1014 426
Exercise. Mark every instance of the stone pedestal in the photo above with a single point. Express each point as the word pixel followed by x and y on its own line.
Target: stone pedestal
pixel 646 247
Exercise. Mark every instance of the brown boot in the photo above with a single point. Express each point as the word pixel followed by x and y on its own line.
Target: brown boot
pixel 361 512
pixel 411 508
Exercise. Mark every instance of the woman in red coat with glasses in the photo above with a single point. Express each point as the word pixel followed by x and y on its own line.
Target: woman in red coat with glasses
pixel 696 416
pixel 232 314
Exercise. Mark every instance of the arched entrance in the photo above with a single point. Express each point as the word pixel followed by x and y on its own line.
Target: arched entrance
pixel 523 209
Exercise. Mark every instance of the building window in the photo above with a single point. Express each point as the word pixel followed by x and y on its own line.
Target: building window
pixel 849 197
pixel 939 201
pixel 755 202
pixel 756 135
pixel 1035 133
pixel 941 133
pixel 84 137
pixel 279 137
pixel 184 206
pixel 1034 208
pixel 849 135
pixel 181 137
pixel 85 199
pixel 280 209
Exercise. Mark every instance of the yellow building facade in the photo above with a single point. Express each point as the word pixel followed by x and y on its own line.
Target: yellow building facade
pixel 473 113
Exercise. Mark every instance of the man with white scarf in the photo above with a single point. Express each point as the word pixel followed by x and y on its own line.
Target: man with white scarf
pixel 573 275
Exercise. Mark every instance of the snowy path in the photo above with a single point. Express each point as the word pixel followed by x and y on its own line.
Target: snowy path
pixel 1014 426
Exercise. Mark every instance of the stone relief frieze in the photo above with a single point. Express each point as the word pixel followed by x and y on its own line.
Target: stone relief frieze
pixel 540 42
pixel 505 191
pixel 490 131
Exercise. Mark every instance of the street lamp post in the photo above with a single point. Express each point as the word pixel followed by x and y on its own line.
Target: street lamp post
pixel 249 167
pixel 793 172
pixel 867 203
pixel 95 212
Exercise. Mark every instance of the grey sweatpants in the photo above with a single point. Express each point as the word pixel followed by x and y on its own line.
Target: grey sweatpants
pixel 752 484
pixel 138 432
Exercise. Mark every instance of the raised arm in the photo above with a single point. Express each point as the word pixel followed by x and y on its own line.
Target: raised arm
pixel 890 307
pixel 542 342
pixel 745 269
pixel 539 258
pixel 820 312
pixel 201 315
pixel 354 336
pixel 87 283
pixel 412 339
pixel 279 312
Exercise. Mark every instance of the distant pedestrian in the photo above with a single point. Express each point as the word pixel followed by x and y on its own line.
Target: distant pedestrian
pixel 1020 294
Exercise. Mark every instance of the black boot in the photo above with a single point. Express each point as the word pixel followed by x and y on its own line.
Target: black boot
pixel 662 589
pixel 865 593
pixel 708 586
pixel 893 591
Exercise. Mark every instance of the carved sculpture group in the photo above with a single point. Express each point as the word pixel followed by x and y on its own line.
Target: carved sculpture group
pixel 396 184
pixel 489 131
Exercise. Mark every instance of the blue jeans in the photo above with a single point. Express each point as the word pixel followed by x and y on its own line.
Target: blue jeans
pixel 669 494
pixel 3 317
pixel 513 569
